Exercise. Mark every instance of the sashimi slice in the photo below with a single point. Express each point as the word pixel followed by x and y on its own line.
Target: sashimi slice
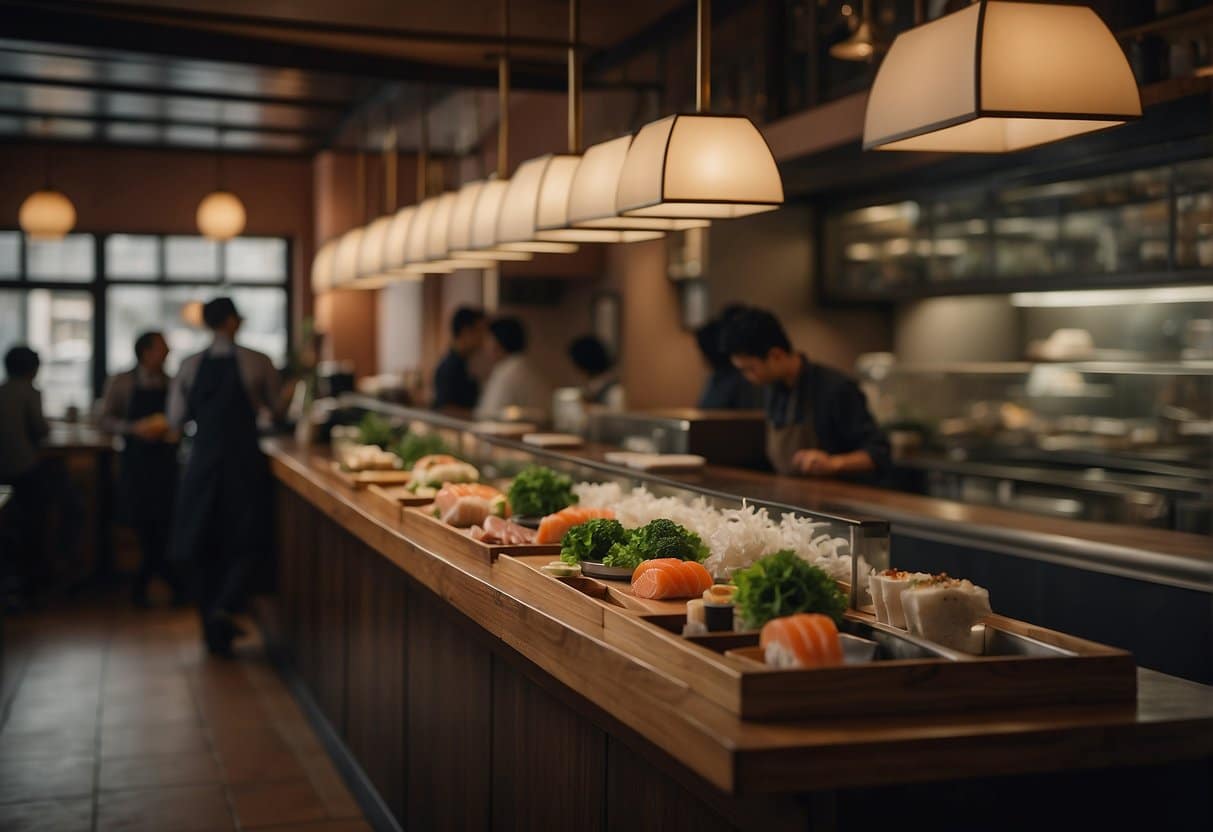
pixel 672 579
pixel 802 640
pixel 552 528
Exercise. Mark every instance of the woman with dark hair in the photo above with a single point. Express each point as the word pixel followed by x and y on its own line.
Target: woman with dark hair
pixel 591 357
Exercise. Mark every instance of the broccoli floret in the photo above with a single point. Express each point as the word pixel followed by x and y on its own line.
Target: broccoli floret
pixel 591 540
pixel 659 539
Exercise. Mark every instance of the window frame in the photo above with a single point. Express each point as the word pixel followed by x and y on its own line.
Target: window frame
pixel 100 283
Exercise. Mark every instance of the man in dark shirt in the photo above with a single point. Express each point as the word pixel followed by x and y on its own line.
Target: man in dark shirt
pixel 818 423
pixel 454 386
pixel 726 388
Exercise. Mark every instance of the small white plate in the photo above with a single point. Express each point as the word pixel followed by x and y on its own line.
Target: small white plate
pixel 666 462
pixel 554 440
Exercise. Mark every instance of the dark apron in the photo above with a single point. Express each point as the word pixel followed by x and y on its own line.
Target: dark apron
pixel 149 481
pixel 223 503
pixel 783 443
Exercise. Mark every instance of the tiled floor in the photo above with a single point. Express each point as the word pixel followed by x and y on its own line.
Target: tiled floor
pixel 122 722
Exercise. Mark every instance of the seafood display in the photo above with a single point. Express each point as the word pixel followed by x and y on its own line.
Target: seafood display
pixel 498 530
pixel 670 578
pixel 469 504
pixel 432 472
pixel 357 458
pixel 553 527
pixel 803 640
pixel 886 588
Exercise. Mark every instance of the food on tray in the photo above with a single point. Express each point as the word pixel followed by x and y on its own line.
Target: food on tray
pixel 661 538
pixel 553 527
pixel 436 470
pixel 415 446
pixel 696 623
pixel 670 578
pixel 886 588
pixel 374 429
pixel 469 504
pixel 719 608
pixel 944 610
pixel 591 540
pixel 560 569
pixel 538 491
pixel 782 584
pixel 735 537
pixel 370 458
pixel 499 531
pixel 803 640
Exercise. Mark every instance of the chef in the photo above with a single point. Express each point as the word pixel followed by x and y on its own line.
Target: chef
pixel 818 422
pixel 134 407
pixel 222 522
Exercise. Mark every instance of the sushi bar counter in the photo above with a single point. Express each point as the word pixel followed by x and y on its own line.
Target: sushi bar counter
pixel 473 674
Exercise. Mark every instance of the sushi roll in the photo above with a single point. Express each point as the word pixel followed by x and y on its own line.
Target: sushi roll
pixel 803 640
pixel 718 608
pixel 944 610
pixel 886 588
pixel 695 625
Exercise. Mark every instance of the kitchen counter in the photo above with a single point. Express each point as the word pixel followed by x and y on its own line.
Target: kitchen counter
pixel 377 621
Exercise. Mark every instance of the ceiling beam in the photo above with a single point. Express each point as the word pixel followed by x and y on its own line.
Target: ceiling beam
pixel 90 85
pixel 199 18
pixel 37 22
pixel 162 121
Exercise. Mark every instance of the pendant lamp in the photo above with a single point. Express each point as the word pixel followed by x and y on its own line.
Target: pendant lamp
pixel 437 245
pixel 699 165
pixel 395 244
pixel 345 263
pixel 322 268
pixel 463 218
pixel 592 195
pixel 46 215
pixel 220 215
pixel 997 77
pixel 862 43
pixel 370 255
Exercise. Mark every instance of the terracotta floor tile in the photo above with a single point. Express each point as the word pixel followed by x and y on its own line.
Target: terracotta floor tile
pixel 264 804
pixel 263 765
pixel 180 809
pixel 135 710
pixel 74 815
pixel 331 788
pixel 154 738
pixel 159 770
pixel 20 744
pixel 45 778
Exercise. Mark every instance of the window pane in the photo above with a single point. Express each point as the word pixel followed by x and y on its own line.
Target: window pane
pixel 131 257
pixel 255 259
pixel 58 326
pixel 133 310
pixel 69 259
pixel 264 327
pixel 10 254
pixel 191 258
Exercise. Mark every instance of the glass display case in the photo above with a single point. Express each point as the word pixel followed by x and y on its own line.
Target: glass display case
pixel 1125 442
pixel 1155 223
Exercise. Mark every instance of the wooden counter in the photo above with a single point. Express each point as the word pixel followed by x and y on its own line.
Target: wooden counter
pixel 479 664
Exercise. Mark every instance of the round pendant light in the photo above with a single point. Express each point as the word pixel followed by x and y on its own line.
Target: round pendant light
pixel 997 77
pixel 591 201
pixel 220 216
pixel 46 215
pixel 322 267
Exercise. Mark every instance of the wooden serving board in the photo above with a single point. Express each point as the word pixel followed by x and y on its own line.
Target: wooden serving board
pixel 420 522
pixel 361 479
pixel 398 496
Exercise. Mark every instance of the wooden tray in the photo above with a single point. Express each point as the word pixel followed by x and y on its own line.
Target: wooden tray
pixel 398 495
pixel 1059 669
pixel 428 528
pixel 361 479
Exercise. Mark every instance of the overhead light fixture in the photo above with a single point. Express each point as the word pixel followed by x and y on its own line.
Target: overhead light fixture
pixel 345 263
pixel 370 252
pixel 322 268
pixel 46 215
pixel 699 165
pixel 861 45
pixel 591 201
pixel 221 215
pixel 463 219
pixel 999 76
pixel 437 246
pixel 1114 297
pixel 485 218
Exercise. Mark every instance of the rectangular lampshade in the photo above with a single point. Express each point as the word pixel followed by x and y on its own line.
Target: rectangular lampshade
pixel 371 248
pixel 345 268
pixel 998 77
pixel 595 183
pixel 463 218
pixel 396 240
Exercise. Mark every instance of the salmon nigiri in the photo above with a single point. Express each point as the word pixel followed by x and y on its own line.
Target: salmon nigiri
pixel 806 639
pixel 469 504
pixel 670 578
pixel 553 527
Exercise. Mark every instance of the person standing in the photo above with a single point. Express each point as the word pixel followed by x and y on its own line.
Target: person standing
pixel 40 483
pixel 454 386
pixel 818 423
pixel 134 407
pixel 726 388
pixel 222 519
pixel 514 381
pixel 602 386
